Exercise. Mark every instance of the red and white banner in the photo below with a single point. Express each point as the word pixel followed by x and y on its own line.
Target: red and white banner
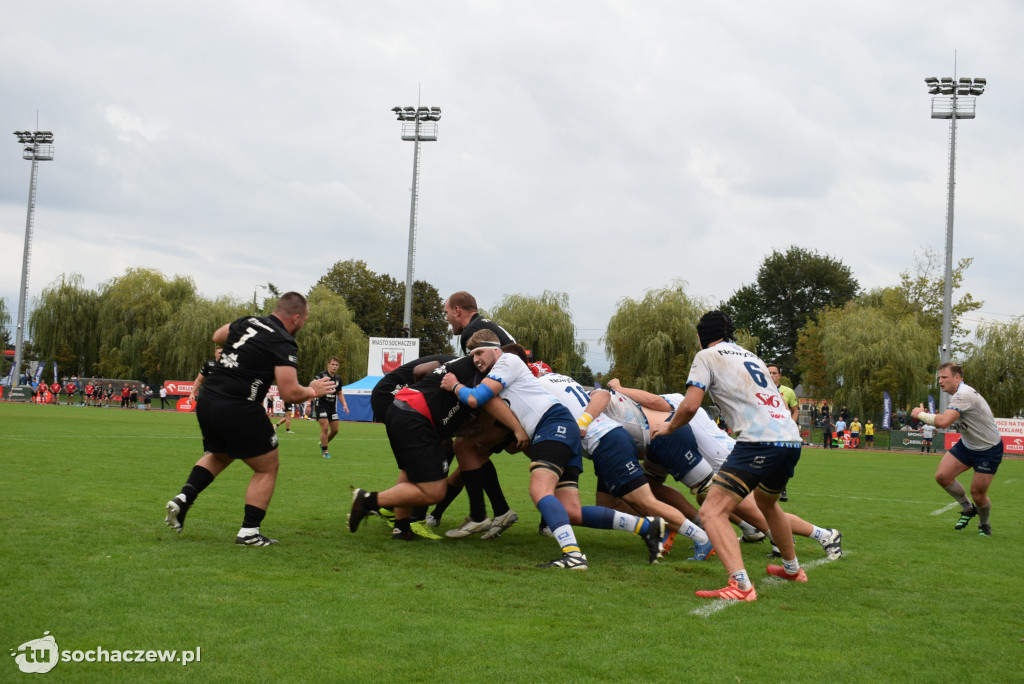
pixel 388 353
pixel 178 387
pixel 1010 429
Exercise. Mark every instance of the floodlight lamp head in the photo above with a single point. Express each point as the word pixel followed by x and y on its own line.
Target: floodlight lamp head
pixel 931 80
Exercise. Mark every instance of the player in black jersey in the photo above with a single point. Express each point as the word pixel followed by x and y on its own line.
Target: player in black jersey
pixel 461 312
pixel 259 351
pixel 209 366
pixel 420 425
pixel 383 395
pixel 325 409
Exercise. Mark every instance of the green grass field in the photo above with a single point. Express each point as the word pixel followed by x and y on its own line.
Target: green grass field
pixel 86 557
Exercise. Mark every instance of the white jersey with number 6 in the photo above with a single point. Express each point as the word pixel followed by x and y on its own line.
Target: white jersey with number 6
pixel 742 388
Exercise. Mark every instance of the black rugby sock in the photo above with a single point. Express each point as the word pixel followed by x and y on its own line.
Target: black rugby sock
pixel 492 487
pixel 473 479
pixel 451 493
pixel 253 516
pixel 198 480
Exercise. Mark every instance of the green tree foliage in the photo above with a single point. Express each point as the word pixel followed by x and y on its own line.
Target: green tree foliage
pixel 790 289
pixel 428 321
pixel 132 309
pixel 543 324
pixel 652 341
pixel 63 325
pixel 331 331
pixel 370 297
pixel 812 366
pixel 867 351
pixel 924 294
pixel 185 340
pixel 377 303
pixel 995 366
pixel 5 323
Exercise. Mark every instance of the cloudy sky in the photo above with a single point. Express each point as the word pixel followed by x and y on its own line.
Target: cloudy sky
pixel 596 148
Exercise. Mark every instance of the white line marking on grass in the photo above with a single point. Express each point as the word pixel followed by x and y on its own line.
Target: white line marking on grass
pixel 947 507
pixel 769 582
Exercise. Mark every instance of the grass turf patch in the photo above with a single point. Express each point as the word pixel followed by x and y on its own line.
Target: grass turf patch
pixel 88 558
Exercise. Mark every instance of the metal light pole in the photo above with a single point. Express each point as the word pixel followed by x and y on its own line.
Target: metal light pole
pixel 956 100
pixel 419 124
pixel 255 308
pixel 38 146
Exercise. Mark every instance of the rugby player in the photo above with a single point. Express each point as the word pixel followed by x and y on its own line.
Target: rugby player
pixel 460 310
pixel 208 368
pixel 260 351
pixel 713 445
pixel 325 409
pixel 767 449
pixel 607 442
pixel 556 454
pixel 420 425
pixel 980 446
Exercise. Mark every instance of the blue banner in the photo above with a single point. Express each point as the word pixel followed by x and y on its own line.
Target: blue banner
pixel 39 374
pixel 9 380
pixel 55 378
pixel 886 411
pixel 931 404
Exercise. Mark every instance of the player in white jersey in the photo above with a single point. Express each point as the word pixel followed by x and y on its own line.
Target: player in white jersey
pixel 555 454
pixel 613 451
pixel 714 445
pixel 766 451
pixel 980 446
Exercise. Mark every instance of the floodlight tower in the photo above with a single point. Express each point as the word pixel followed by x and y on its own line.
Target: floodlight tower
pixel 37 147
pixel 956 100
pixel 419 124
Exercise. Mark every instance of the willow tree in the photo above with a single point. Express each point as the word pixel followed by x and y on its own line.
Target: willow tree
pixel 331 331
pixel 652 341
pixel 867 351
pixel 185 340
pixel 64 326
pixel 924 291
pixel 995 366
pixel 5 322
pixel 5 337
pixel 132 309
pixel 543 324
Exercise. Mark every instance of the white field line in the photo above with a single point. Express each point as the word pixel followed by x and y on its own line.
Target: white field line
pixel 768 582
pixel 948 507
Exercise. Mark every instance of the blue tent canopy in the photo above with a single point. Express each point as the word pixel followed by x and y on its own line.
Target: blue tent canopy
pixel 357 396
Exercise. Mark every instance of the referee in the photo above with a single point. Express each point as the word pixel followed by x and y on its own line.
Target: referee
pixel 258 352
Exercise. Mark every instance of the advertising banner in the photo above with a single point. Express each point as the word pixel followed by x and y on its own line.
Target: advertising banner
pixel 388 353
pixel 178 387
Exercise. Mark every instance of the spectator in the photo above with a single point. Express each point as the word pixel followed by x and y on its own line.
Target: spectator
pixel 163 397
pixel 840 429
pixel 147 393
pixel 826 431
